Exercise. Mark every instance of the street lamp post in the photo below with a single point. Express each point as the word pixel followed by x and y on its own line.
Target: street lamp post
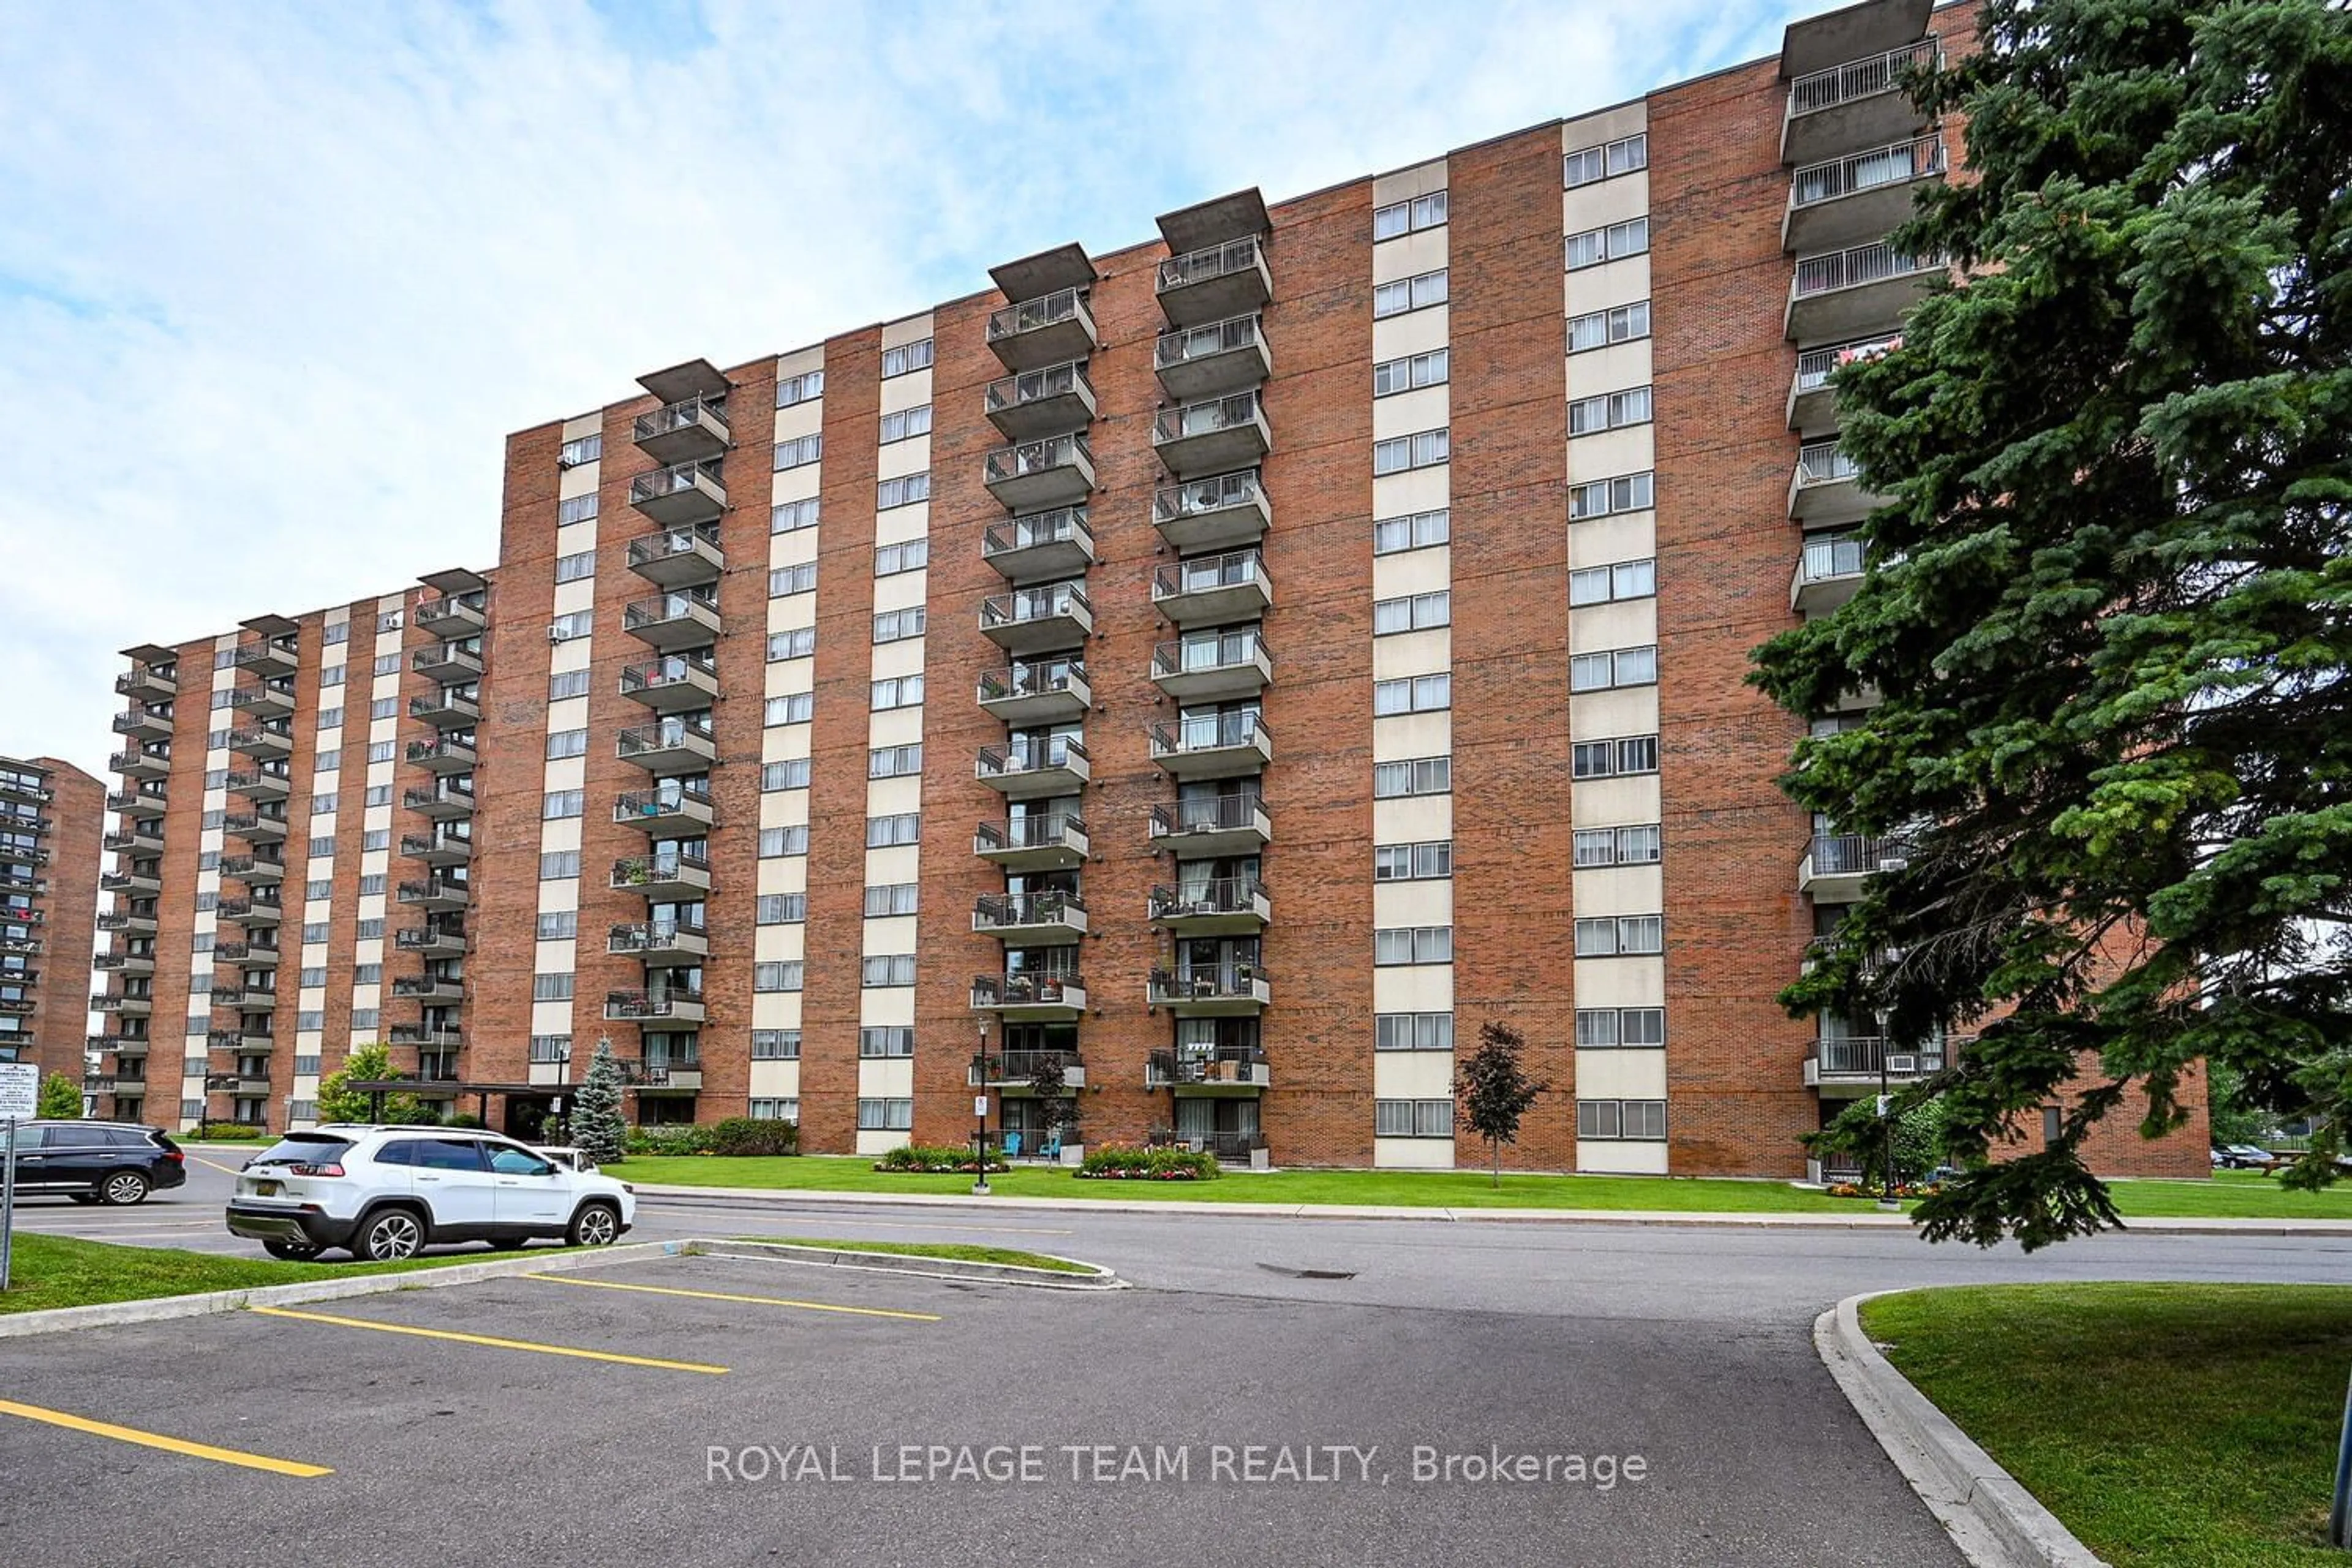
pixel 979 1115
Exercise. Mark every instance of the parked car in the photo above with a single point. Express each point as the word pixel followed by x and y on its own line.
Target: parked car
pixel 96 1162
pixel 2245 1157
pixel 386 1193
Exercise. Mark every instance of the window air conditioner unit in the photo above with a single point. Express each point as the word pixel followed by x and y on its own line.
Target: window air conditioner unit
pixel 1902 1065
pixel 558 632
pixel 1892 862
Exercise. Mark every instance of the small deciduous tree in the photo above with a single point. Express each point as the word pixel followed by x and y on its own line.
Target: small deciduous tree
pixel 60 1098
pixel 598 1128
pixel 1492 1091
pixel 1057 1108
pixel 338 1102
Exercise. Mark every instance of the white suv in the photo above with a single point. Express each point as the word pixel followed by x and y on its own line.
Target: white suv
pixel 386 1193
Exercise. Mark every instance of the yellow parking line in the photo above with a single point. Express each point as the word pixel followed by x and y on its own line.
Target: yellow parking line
pixel 723 1296
pixel 215 1164
pixel 156 1440
pixel 487 1339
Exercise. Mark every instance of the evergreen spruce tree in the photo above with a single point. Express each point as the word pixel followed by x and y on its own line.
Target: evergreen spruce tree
pixel 598 1128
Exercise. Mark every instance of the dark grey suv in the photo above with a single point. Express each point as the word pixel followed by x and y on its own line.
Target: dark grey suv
pixel 96 1162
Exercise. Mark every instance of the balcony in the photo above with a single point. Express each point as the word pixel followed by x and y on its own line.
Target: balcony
pixel 679 557
pixel 449 709
pixel 263 742
pixel 1837 865
pixel 677 1076
pixel 1030 919
pixel 664 813
pixel 1213 359
pixel 1050 841
pixel 680 495
pixel 452 754
pixel 429 987
pixel 1210 990
pixel 688 431
pixel 137 884
pixel 270 700
pixel 144 836
pixel 259 784
pixel 129 922
pixel 1856 1065
pixel 1042 332
pixel 443 802
pixel 1050 691
pixel 1020 1070
pixel 225 995
pixel 148 682
pixel 1033 620
pixel 141 763
pixel 1213 825
pixel 252 911
pixel 436 1038
pixel 239 1085
pixel 1861 195
pixel 1223 906
pixel 672 1007
pixel 1043 402
pixel 1215 746
pixel 124 963
pixel 1215 282
pixel 446 663
pixel 672 621
pixel 267 658
pixel 437 895
pixel 450 617
pixel 437 849
pixel 1031 998
pixel 1213 590
pixel 136 804
pixel 677 876
pixel 1218 434
pixel 661 943
pixel 1855 103
pixel 258 870
pixel 1232 1069
pixel 1058 765
pixel 21 946
pixel 1213 668
pixel 17 1007
pixel 260 999
pixel 20 880
pixel 129 1048
pixel 672 746
pixel 144 723
pixel 1214 513
pixel 1854 292
pixel 1826 486
pixel 1058 471
pixel 431 942
pixel 1813 405
pixel 249 953
pixel 671 685
pixel 1042 544
pixel 116 1003
pixel 1827 575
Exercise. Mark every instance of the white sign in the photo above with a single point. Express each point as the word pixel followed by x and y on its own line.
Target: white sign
pixel 20 1090
pixel 980 1106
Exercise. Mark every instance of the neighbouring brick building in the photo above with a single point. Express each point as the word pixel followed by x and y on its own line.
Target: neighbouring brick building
pixel 1234 668
pixel 50 816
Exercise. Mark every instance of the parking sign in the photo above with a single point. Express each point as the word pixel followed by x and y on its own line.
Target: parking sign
pixel 20 1090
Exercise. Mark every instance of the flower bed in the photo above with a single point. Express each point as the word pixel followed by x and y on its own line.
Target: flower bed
pixel 933 1159
pixel 1117 1163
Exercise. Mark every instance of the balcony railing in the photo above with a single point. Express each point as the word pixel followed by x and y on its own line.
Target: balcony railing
pixel 1201 497
pixel 1025 1066
pixel 633 1005
pixel 1063 525
pixel 1057 754
pixel 1207 983
pixel 1032 315
pixel 1871 74
pixel 1815 366
pixel 1212 416
pixel 1209 261
pixel 1825 463
pixel 1039 608
pixel 1830 556
pixel 1221 1063
pixel 654 491
pixel 1853 854
pixel 447 616
pixel 656 936
pixel 1054 455
pixel 994 912
pixel 1867 1056
pixel 1210 814
pixel 671 610
pixel 1854 266
pixel 1049 677
pixel 1209 732
pixel 1048 384
pixel 673 866
pixel 1046 991
pixel 1048 830
pixel 670 735
pixel 1218 895
pixel 661 806
pixel 686 415
pixel 1211 340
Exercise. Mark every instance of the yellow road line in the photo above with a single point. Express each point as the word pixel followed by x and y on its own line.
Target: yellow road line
pixel 865 1224
pixel 215 1164
pixel 723 1296
pixel 487 1339
pixel 156 1440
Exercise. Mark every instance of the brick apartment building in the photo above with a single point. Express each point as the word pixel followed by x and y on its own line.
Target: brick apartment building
pixel 50 815
pixel 1235 667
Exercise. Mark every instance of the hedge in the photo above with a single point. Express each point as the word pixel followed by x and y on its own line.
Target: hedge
pixel 915 1158
pixel 1119 1163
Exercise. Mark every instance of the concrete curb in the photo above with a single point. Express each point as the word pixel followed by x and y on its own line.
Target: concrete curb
pixel 160 1309
pixel 1994 1521
pixel 1097 1278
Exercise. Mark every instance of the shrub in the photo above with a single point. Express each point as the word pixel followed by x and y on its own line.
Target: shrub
pixel 1113 1161
pixel 223 1129
pixel 743 1135
pixel 466 1119
pixel 946 1158
pixel 687 1140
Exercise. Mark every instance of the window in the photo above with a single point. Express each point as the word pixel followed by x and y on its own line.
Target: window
pixel 905 357
pixel 551 988
pixel 902 691
pixel 566 683
pixel 894 762
pixel 322 798
pixel 578 624
pixel 1635 846
pixel 791 773
pixel 1625 580
pixel 1412 862
pixel 1632 492
pixel 1619 240
pixel 779 909
pixel 1413 1032
pixel 556 804
pixel 587 449
pixel 882 832
pixel 801 388
pixel 1413 613
pixel 1616 936
pixel 555 924
pixel 1407 217
pixel 776 976
pixel 1415 293
pixel 306 1066
pixel 906 422
pixel 1620 1119
pixel 314 931
pixel 331 718
pixel 572 568
pixel 567 743
pixel 888 1040
pixel 1423 775
pixel 1605 1028
pixel 800 451
pixel 911 556
pixel 383 750
pixel 559 864
pixel 905 489
pixel 364 1017
pixel 1609 411
pixel 331 676
pixel 1614 668
pixel 1404 375
pixel 1413 694
pixel 798 643
pixel 793 708
pixel 1601 328
pixel 579 509
pixel 1415 530
pixel 775 841
pixel 551 1047
pixel 1590 163
pixel 897 625
pixel 888 969
pixel 1414 944
pixel 1399 453
pixel 310 1022
pixel 377 795
pixel 775 1045
pixel 335 632
pixel 1412 1118
pixel 885 1115
pixel 792 516
pixel 318 889
pixel 387 664
pixel 775 1110
pixel 797 579
pixel 369 930
pixel 890 899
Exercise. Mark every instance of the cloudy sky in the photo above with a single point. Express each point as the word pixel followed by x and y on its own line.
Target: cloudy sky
pixel 277 280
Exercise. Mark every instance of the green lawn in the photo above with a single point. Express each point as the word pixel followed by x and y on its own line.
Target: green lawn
pixel 58 1271
pixel 2168 1425
pixel 2232 1195
pixel 953 1251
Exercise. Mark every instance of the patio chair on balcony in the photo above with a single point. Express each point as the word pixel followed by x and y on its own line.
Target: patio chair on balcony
pixel 1012 1145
